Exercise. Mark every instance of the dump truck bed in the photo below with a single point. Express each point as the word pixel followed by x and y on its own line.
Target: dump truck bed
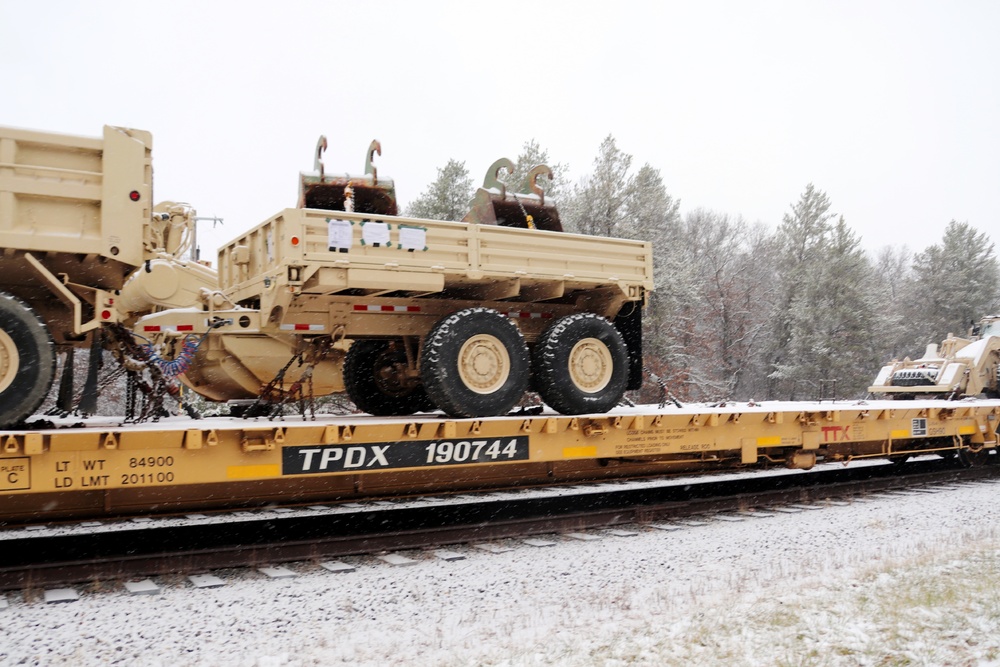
pixel 80 196
pixel 324 252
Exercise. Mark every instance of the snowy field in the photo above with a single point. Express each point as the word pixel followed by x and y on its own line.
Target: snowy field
pixel 897 579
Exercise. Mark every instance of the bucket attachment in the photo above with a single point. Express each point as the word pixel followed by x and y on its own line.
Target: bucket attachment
pixel 331 192
pixel 495 205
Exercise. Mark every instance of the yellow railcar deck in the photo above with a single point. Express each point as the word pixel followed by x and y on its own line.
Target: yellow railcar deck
pixel 105 467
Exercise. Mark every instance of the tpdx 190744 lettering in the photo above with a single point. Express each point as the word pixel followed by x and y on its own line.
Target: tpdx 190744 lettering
pixel 408 454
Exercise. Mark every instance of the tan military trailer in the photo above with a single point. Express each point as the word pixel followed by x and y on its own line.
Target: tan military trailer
pixel 76 219
pixel 410 315
pixel 957 368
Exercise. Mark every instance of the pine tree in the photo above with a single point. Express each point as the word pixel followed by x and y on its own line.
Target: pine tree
pixel 803 235
pixel 832 348
pixel 892 281
pixel 599 204
pixel 447 198
pixel 954 284
pixel 651 211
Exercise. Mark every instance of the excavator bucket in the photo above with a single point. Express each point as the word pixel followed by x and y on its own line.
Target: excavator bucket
pixel 368 193
pixel 494 204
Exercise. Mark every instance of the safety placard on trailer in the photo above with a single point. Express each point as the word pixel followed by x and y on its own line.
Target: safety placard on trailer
pixel 407 454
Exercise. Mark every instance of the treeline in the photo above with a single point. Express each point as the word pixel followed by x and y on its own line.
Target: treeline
pixel 747 311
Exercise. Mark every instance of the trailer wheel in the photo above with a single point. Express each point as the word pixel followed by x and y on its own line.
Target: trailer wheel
pixel 475 364
pixel 27 361
pixel 581 364
pixel 373 378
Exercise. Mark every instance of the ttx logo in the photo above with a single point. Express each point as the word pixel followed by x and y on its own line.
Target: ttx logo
pixel 836 433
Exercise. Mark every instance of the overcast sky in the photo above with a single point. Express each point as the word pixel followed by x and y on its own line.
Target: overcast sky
pixel 890 107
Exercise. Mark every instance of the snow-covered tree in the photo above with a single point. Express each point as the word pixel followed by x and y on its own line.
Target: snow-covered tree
pixel 669 319
pixel 599 204
pixel 735 283
pixel 891 286
pixel 833 322
pixel 653 214
pixel 448 197
pixel 613 202
pixel 803 238
pixel 954 283
pixel 711 306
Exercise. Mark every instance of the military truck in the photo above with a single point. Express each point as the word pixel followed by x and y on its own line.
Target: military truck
pixel 337 294
pixel 76 220
pixel 957 368
pixel 409 315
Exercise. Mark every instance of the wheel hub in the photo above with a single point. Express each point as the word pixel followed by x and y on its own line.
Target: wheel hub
pixel 389 381
pixel 483 364
pixel 8 360
pixel 390 375
pixel 590 365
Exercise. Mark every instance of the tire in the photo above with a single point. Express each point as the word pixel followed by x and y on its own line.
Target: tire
pixel 27 361
pixel 581 365
pixel 373 384
pixel 475 364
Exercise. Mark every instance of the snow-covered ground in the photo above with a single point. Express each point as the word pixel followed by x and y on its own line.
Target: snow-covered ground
pixel 900 579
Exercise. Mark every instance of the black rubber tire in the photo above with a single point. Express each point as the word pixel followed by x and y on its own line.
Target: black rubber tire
pixel 605 355
pixel 373 393
pixel 35 358
pixel 492 335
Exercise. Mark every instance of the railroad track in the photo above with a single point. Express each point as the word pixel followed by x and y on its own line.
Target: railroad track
pixel 32 557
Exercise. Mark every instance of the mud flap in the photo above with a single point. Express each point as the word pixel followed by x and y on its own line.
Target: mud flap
pixel 88 400
pixel 64 400
pixel 628 321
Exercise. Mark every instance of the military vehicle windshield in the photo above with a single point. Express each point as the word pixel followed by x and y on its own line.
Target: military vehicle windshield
pixel 990 328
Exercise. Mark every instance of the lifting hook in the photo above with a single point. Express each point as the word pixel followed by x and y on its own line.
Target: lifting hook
pixel 374 147
pixel 532 179
pixel 492 179
pixel 318 164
